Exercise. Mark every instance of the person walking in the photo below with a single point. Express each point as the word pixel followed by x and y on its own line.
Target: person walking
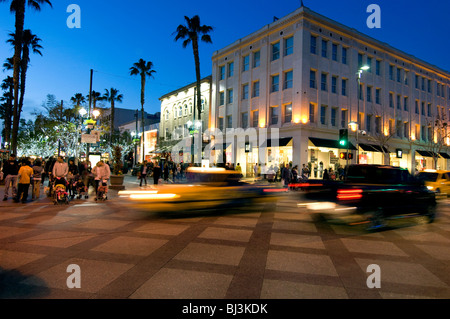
pixel 38 170
pixel 156 173
pixel 10 174
pixel 24 178
pixel 60 170
pixel 286 175
pixel 143 171
pixel 101 172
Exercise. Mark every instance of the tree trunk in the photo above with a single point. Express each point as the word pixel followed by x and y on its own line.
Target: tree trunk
pixel 198 78
pixel 112 120
pixel 142 114
pixel 20 17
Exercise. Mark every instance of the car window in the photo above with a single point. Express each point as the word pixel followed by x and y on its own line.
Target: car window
pixel 427 176
pixel 444 176
pixel 447 175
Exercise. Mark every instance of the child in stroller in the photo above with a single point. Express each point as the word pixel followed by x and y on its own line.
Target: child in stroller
pixel 102 191
pixel 60 195
pixel 78 188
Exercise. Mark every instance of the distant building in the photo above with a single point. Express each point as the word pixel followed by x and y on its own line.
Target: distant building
pixel 123 116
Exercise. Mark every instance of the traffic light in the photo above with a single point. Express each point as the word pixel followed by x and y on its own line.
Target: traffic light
pixel 343 155
pixel 343 137
pixel 350 155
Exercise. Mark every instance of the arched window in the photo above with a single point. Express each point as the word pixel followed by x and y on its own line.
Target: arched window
pixel 167 115
pixel 180 111
pixel 174 112
pixel 185 109
pixel 203 104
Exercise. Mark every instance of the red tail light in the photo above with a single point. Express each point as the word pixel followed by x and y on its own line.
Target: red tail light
pixel 349 194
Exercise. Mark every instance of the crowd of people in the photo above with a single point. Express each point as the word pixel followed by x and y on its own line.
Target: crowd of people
pixel 21 175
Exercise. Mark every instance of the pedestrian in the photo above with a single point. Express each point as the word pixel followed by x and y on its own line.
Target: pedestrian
pixel 326 176
pixel 10 174
pixel 286 175
pixel 143 171
pixel 156 173
pixel 166 172
pixel 38 170
pixel 101 172
pixel 24 178
pixel 60 171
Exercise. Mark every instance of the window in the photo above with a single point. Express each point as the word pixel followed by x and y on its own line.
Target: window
pixel 288 46
pixel 377 95
pixel 311 112
pixel 391 72
pixel 344 87
pixel 185 109
pixel 429 86
pixel 245 63
pixel 417 107
pixel 378 124
pixel 245 91
pixel 167 115
pixel 438 89
pixel 288 113
pixel 180 111
pixel 255 118
pixel 423 84
pixel 312 79
pixel 221 124
pixel 391 99
pixel 230 96
pixel 313 45
pixel 377 67
pixel 344 55
pixel 221 98
pixel 399 105
pixel 334 84
pixel 230 69
pixel 368 123
pixel 244 120
pixel 406 130
pixel 344 118
pixel 229 121
pixel 323 82
pixel 255 89
pixel 399 75
pixel 275 51
pixel 423 108
pixel 360 60
pixel 256 59
pixel 333 116
pixel 361 94
pixel 424 136
pixel 429 109
pixel 369 63
pixel 324 48
pixel 274 115
pixel 288 77
pixel 405 77
pixel 334 49
pixel 323 115
pixel 275 83
pixel 369 94
pixel 405 103
pixel 221 72
pixel 417 81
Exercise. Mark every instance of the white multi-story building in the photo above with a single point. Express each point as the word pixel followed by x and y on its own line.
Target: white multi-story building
pixel 299 77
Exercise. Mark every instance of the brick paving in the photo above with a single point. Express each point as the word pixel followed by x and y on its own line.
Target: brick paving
pixel 266 252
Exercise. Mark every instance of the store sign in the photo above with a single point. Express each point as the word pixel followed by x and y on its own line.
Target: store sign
pixel 88 138
pixel 399 153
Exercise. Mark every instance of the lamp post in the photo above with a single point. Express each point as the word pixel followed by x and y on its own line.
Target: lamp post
pixel 357 126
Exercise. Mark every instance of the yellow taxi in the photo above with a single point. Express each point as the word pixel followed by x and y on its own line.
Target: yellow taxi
pixel 436 180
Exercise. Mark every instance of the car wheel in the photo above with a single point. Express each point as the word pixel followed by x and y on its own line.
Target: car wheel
pixel 376 219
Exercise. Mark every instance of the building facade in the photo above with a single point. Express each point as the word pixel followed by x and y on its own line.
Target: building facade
pixel 179 114
pixel 301 79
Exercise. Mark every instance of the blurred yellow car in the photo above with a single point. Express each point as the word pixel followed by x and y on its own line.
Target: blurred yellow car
pixel 436 180
pixel 207 188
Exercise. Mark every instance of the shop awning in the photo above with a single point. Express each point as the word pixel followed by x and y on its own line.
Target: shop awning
pixel 284 141
pixel 427 153
pixel 321 142
pixel 373 148
pixel 444 155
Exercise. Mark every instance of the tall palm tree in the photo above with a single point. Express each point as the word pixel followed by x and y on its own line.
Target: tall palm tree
pixel 112 96
pixel 30 42
pixel 143 69
pixel 7 106
pixel 18 8
pixel 192 33
pixel 96 96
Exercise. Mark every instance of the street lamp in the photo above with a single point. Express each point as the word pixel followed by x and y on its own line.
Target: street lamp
pixel 357 126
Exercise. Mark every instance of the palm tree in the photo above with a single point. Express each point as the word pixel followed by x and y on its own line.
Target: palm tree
pixel 18 8
pixel 78 99
pixel 30 42
pixel 96 96
pixel 192 33
pixel 143 69
pixel 7 106
pixel 112 96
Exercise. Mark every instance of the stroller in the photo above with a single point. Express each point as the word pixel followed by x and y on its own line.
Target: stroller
pixel 79 189
pixel 102 191
pixel 60 195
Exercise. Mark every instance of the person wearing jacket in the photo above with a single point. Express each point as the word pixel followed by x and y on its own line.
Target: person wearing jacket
pixel 10 174
pixel 24 177
pixel 60 170
pixel 38 171
pixel 101 172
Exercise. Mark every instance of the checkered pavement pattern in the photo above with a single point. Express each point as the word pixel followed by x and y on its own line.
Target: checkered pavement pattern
pixel 272 251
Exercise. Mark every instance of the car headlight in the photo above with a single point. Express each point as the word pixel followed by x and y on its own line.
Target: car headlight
pixel 430 188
